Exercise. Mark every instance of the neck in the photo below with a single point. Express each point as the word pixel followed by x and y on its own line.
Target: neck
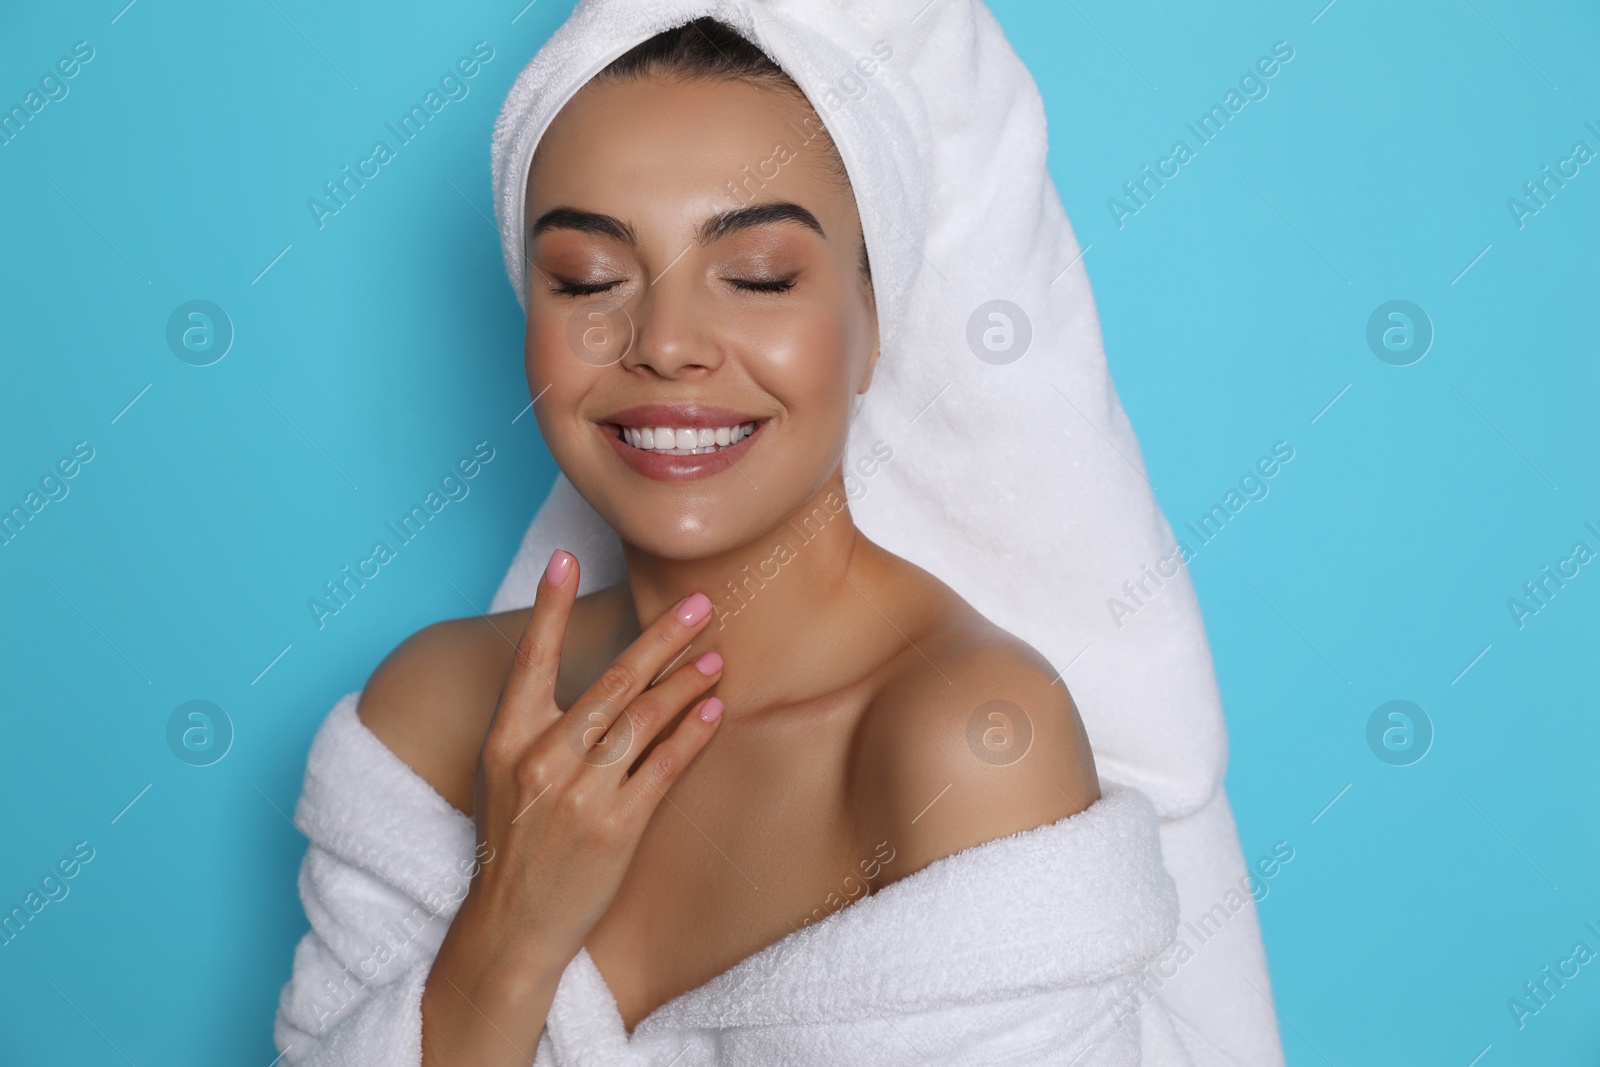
pixel 767 595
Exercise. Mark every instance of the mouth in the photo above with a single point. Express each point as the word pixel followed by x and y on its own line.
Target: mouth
pixel 681 442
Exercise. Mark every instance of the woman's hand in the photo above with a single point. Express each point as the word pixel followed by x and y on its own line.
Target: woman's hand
pixel 553 798
pixel 559 818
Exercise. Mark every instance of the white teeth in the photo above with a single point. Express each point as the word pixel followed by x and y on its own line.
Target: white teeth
pixel 686 441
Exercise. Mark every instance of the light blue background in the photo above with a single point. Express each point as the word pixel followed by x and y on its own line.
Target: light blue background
pixel 376 351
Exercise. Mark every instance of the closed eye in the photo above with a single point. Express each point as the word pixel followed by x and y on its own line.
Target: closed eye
pixel 753 285
pixel 566 288
pixel 777 285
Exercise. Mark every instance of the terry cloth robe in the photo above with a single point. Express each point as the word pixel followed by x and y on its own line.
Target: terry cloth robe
pixel 1023 950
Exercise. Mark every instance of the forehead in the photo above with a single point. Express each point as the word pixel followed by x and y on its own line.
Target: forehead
pixel 717 143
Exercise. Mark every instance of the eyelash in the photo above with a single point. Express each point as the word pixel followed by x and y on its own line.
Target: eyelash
pixel 781 285
pixel 580 288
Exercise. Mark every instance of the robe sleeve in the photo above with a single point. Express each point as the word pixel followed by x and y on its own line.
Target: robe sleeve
pixel 354 997
pixel 387 865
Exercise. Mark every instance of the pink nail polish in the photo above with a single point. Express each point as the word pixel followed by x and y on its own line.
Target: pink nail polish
pixel 560 564
pixel 694 609
pixel 711 710
pixel 709 664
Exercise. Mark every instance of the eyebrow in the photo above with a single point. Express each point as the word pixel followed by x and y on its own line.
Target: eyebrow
pixel 714 228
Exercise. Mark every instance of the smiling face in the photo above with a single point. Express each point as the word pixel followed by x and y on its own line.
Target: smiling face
pixel 695 265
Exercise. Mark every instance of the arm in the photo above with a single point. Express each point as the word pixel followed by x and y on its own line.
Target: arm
pixel 357 992
pixel 386 865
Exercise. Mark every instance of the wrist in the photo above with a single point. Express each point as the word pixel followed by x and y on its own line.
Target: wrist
pixel 512 963
pixel 486 997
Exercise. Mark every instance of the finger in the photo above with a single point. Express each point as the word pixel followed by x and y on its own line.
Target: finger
pixel 650 712
pixel 644 789
pixel 527 701
pixel 642 661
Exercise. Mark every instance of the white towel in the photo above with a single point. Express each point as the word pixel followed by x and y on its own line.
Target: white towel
pixel 1021 485
pixel 1022 950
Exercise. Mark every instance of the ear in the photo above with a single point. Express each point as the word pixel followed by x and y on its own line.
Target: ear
pixel 872 360
pixel 866 379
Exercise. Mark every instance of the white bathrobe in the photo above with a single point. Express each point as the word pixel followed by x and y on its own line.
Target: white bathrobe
pixel 1022 950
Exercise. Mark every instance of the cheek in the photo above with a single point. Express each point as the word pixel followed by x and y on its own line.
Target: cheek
pixel 806 364
pixel 557 377
pixel 548 357
pixel 536 342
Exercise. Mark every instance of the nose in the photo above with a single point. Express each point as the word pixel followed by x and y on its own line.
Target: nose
pixel 670 339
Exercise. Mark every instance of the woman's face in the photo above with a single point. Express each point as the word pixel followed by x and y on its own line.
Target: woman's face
pixel 694 264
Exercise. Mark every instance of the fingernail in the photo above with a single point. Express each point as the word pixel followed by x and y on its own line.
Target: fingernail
pixel 711 710
pixel 709 664
pixel 694 609
pixel 560 564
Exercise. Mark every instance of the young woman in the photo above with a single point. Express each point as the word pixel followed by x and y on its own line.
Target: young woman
pixel 842 688
pixel 666 776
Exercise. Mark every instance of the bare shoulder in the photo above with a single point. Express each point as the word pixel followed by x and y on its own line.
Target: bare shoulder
pixel 431 699
pixel 971 737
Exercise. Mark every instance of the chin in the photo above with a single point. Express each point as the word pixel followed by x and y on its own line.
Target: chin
pixel 683 535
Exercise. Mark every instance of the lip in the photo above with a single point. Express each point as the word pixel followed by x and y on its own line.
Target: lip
pixel 661 467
